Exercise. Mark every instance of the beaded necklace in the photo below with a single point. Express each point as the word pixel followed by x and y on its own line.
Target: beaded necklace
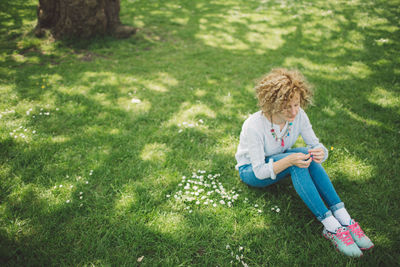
pixel 281 138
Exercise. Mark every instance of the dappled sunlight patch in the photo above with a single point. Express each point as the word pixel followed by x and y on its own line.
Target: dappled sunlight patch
pixel 127 198
pixel 308 64
pixel 271 38
pixel 353 168
pixel 222 39
pixel 155 152
pixel 181 21
pixel 328 111
pixel 366 121
pixel 160 83
pixel 200 92
pixel 384 98
pixel 100 78
pixel 138 20
pixel 134 104
pixel 167 222
pixel 60 139
pixel 358 70
pixel 190 114
pixel 258 36
pixel 226 145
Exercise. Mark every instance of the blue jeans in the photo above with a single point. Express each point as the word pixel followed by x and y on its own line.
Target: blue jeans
pixel 312 184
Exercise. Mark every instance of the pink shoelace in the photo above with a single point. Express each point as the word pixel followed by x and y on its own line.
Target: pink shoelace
pixel 345 236
pixel 356 229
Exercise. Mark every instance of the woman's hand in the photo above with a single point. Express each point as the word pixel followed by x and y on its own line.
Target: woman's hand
pixel 300 160
pixel 317 154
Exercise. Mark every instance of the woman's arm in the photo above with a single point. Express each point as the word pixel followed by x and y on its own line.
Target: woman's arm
pixel 318 150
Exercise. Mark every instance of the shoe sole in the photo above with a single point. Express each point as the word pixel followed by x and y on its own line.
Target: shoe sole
pixel 367 248
pixel 337 249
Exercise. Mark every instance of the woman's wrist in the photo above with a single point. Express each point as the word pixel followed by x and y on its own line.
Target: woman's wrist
pixel 289 160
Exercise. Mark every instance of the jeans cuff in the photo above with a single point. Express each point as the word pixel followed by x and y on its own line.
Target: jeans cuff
pixel 326 215
pixel 337 206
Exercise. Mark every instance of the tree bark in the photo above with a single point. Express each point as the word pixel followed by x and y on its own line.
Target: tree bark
pixel 81 18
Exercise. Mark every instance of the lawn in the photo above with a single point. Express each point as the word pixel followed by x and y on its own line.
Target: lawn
pixel 121 152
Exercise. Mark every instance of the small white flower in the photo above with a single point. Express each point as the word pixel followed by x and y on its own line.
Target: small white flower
pixel 222 202
pixel 240 248
pixel 190 211
pixel 168 195
pixel 259 211
pixel 60 185
pixel 256 205
pixel 214 205
pixel 278 210
pixel 86 182
pixel 57 109
pixel 197 202
pixel 136 101
pixel 80 193
pixel 237 258
pixel 80 197
pixel 68 201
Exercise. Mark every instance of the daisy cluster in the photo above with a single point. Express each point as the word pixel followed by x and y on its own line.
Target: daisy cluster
pixel 42 112
pixel 204 189
pixel 189 125
pixel 276 209
pixel 79 179
pixel 20 132
pixel 237 255
pixel 6 112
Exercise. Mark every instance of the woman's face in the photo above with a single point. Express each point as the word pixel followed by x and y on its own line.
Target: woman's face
pixel 289 112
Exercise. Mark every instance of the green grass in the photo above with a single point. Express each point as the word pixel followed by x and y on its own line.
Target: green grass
pixel 192 61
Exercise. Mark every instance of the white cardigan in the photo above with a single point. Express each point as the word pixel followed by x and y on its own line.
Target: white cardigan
pixel 257 142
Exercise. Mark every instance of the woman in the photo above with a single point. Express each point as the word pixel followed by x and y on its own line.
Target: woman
pixel 265 156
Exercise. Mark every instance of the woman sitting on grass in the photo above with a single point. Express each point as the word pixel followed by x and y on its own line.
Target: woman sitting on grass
pixel 265 156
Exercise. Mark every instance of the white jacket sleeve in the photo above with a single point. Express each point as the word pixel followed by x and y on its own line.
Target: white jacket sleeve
pixel 256 154
pixel 309 136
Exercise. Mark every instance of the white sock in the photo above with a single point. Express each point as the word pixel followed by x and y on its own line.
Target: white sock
pixel 342 216
pixel 331 224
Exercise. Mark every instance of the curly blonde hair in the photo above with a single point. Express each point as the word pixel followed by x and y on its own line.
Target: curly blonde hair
pixel 276 89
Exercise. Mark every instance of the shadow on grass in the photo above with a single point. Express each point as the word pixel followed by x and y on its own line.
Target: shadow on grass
pixel 92 129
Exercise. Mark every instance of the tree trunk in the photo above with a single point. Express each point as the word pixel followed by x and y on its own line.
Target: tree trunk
pixel 81 18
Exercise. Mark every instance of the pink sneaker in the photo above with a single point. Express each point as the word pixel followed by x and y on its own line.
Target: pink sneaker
pixel 362 241
pixel 343 242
